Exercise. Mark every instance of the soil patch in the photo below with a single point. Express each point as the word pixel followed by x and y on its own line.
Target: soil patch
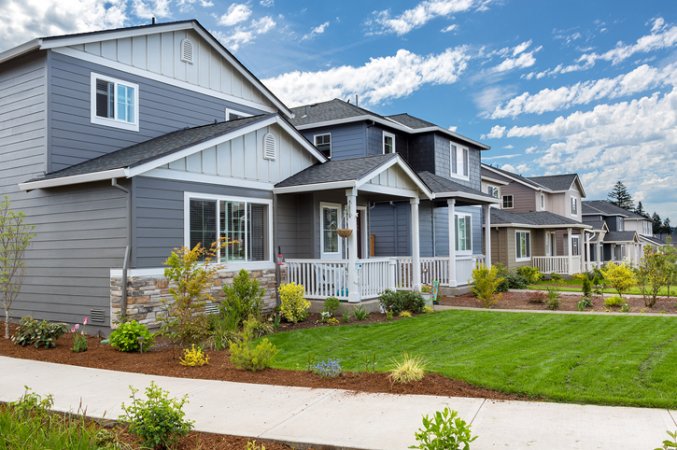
pixel 537 301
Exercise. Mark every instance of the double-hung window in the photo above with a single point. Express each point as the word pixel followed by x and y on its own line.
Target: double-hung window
pixel 323 143
pixel 522 245
pixel 114 103
pixel 388 142
pixel 242 226
pixel 507 201
pixel 574 206
pixel 330 221
pixel 463 233
pixel 458 157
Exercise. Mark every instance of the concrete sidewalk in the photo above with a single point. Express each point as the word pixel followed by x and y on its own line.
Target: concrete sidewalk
pixel 329 417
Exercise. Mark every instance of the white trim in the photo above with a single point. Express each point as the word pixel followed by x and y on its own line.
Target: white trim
pixel 161 78
pixel 495 180
pixel 466 195
pixel 19 50
pixel 379 189
pixel 516 180
pixel 160 271
pixel 542 201
pixel 531 250
pixel 339 215
pixel 410 173
pixel 315 187
pixel 113 122
pixel 459 150
pixel 512 201
pixel 73 179
pixel 528 225
pixel 315 136
pixel 458 214
pixel 237 112
pixel 387 134
pixel 576 237
pixel 573 201
pixel 169 174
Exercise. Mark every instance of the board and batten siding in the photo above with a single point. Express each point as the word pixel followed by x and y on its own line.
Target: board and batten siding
pixel 163 108
pixel 390 225
pixel 294 228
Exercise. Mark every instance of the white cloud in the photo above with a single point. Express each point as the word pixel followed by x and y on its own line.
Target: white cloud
pixel 245 33
pixel 267 3
pixel 519 58
pixel 187 5
pixel 27 19
pixel 453 128
pixel 638 80
pixel 236 13
pixel 321 28
pixel 496 132
pixel 530 150
pixel 510 156
pixel 449 28
pixel 519 169
pixel 490 97
pixel 421 14
pixel 377 80
pixel 151 8
pixel 263 25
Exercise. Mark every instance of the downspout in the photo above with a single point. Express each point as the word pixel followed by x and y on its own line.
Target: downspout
pixel 128 247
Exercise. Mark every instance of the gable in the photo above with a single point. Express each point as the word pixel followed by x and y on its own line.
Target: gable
pixel 393 177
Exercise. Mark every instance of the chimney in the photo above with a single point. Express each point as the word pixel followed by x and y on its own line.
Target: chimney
pixel 152 20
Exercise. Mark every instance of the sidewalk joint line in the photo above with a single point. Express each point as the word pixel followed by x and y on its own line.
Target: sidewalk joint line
pixel 296 413
pixel 674 419
pixel 484 400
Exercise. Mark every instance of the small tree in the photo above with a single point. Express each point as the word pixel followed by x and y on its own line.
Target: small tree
pixel 15 238
pixel 620 196
pixel 485 285
pixel 656 223
pixel 640 210
pixel 670 253
pixel 652 274
pixel 243 297
pixel 620 277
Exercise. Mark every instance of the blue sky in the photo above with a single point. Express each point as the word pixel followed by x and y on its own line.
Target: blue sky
pixel 553 87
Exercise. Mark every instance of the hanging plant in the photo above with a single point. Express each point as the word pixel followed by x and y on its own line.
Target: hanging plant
pixel 344 232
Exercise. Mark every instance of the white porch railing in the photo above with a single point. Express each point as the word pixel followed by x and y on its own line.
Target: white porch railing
pixel 464 267
pixel 375 276
pixel 557 264
pixel 321 278
pixel 432 268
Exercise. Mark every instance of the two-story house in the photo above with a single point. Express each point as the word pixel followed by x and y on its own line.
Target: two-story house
pixel 538 221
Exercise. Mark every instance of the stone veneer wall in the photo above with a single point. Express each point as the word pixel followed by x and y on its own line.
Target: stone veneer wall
pixel 146 295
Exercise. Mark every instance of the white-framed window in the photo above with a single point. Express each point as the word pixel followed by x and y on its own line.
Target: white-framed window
pixel 493 191
pixel 574 206
pixel 459 161
pixel 575 245
pixel 550 247
pixel 323 143
pixel 522 245
pixel 463 233
pixel 114 103
pixel 243 226
pixel 330 221
pixel 232 114
pixel 507 202
pixel 542 201
pixel 388 142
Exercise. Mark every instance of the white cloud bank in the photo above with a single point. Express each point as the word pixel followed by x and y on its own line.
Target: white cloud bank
pixel 235 14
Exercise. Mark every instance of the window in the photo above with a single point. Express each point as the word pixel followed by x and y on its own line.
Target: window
pixel 574 206
pixel 233 114
pixel 522 245
pixel 323 143
pixel 464 233
pixel 458 157
pixel 493 191
pixel 507 201
pixel 242 224
pixel 542 201
pixel 388 142
pixel 575 245
pixel 115 103
pixel 330 216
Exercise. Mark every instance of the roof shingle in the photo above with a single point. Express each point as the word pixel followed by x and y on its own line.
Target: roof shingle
pixel 337 170
pixel 537 218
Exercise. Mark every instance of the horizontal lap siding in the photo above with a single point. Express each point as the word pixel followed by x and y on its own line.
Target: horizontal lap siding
pixel 443 163
pixel 347 141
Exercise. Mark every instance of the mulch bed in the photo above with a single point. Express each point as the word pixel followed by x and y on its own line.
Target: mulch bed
pixel 536 301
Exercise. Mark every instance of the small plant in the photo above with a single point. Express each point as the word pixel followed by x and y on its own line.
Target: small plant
pixel 330 368
pixel 360 313
pixel 444 431
pixel 332 321
pixel 620 277
pixel 405 314
pixel 613 302
pixel 389 315
pixel 131 337
pixel 247 356
pixel 243 297
pixel 252 445
pixel 255 328
pixel 625 307
pixel 345 318
pixel 293 306
pixel 428 310
pixel 516 281
pixel 38 333
pixel 407 370
pixel 79 337
pixel 529 273
pixel 331 306
pixel 556 277
pixel 671 443
pixel 587 287
pixel 159 420
pixel 194 357
pixel 32 404
pixel 552 302
pixel 485 285
pixel 584 304
pixel 397 301
pixel 369 362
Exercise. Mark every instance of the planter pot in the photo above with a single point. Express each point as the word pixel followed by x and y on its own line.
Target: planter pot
pixel 427 298
pixel 344 232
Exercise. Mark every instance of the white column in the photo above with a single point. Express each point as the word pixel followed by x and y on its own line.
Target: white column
pixel 451 206
pixel 353 280
pixel 570 250
pixel 588 261
pixel 487 235
pixel 415 247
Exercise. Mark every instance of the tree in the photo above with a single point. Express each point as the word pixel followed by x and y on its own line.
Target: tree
pixel 640 210
pixel 620 196
pixel 657 223
pixel 652 274
pixel 15 237
pixel 620 277
pixel 667 229
pixel 670 253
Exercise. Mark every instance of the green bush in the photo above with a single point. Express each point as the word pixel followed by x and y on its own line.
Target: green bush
pixel 243 297
pixel 255 328
pixel 245 355
pixel 587 287
pixel 529 273
pixel 407 370
pixel 516 281
pixel 360 313
pixel 224 328
pixel 552 301
pixel 331 306
pixel 485 285
pixel 444 431
pixel 614 302
pixel 502 272
pixel 670 443
pixel 131 337
pixel 38 333
pixel 159 420
pixel 293 306
pixel 584 303
pixel 556 277
pixel 398 301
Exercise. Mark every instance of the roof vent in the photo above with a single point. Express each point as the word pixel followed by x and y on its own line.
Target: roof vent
pixel 187 51
pixel 269 147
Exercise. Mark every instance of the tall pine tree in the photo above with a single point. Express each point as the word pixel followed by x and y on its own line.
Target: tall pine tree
pixel 620 196
pixel 657 223
pixel 667 229
pixel 640 210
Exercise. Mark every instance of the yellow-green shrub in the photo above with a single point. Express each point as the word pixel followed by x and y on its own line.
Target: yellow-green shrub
pixel 245 355
pixel 620 277
pixel 485 285
pixel 407 370
pixel 293 306
pixel 194 357
pixel 405 314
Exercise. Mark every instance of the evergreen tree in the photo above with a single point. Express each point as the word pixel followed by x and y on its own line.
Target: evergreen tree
pixel 620 196
pixel 640 210
pixel 667 229
pixel 657 223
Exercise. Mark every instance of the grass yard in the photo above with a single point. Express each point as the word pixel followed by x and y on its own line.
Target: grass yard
pixel 574 285
pixel 613 360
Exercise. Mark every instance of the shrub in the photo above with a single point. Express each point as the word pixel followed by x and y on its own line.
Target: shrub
pixel 670 443
pixel 552 302
pixel 653 273
pixel 243 297
pixel 345 318
pixel 389 315
pixel 255 328
pixel 405 314
pixel 502 272
pixel 625 307
pixel 330 368
pixel 159 420
pixel 38 333
pixel 332 321
pixel 516 281
pixel 293 306
pixel 556 277
pixel 587 287
pixel 407 370
pixel 529 273
pixel 620 277
pixel 613 301
pixel 360 313
pixel 428 309
pixel 224 328
pixel 444 431
pixel 252 445
pixel 131 337
pixel 331 306
pixel 584 303
pixel 245 355
pixel 194 357
pixel 398 301
pixel 485 285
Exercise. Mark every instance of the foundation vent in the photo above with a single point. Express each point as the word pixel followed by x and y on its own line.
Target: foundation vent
pixel 97 316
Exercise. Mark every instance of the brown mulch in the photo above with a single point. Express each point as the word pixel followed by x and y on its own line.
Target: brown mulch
pixel 537 301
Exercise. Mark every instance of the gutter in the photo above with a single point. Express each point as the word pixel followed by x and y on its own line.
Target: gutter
pixel 128 248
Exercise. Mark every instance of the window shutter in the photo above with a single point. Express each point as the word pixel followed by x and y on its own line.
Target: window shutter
pixel 269 147
pixel 187 51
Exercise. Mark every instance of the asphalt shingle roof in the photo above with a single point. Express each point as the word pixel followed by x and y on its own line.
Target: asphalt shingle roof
pixel 595 222
pixel 619 236
pixel 437 183
pixel 337 170
pixel 652 239
pixel 538 218
pixel 556 182
pixel 487 171
pixel 605 208
pixel 155 148
pixel 322 112
pixel 411 121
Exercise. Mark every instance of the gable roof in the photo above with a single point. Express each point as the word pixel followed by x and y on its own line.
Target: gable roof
pixel 596 222
pixel 336 112
pixel 653 240
pixel 444 188
pixel 139 158
pixel 50 42
pixel 558 183
pixel 513 176
pixel 620 236
pixel 536 219
pixel 411 121
pixel 606 208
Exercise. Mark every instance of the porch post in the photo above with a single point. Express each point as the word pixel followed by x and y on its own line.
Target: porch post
pixel 353 281
pixel 487 235
pixel 451 206
pixel 588 259
pixel 570 250
pixel 415 247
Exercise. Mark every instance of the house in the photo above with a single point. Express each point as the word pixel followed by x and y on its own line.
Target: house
pixel 621 235
pixel 393 229
pixel 123 144
pixel 538 221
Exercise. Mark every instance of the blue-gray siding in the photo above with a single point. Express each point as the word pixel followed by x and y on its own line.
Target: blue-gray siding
pixel 294 228
pixel 347 141
pixel 443 161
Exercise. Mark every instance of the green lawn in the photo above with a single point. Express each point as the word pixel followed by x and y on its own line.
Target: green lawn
pixel 574 285
pixel 613 360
